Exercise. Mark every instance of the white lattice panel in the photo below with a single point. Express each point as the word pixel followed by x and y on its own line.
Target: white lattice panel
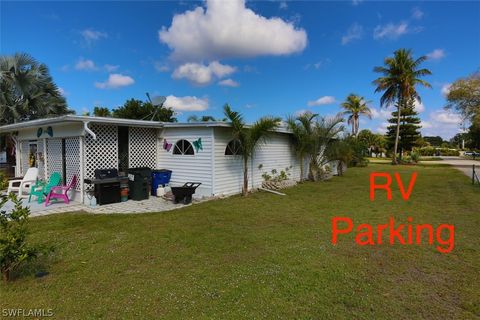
pixel 143 147
pixel 103 152
pixel 72 159
pixel 54 156
pixel 25 150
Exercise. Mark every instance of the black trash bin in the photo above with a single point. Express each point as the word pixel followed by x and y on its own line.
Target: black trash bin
pixel 139 181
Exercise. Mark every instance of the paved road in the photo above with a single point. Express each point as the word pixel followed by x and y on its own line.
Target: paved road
pixel 461 164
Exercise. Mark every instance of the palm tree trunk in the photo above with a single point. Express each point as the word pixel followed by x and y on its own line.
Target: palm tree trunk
pixel 397 135
pixel 301 168
pixel 357 125
pixel 245 176
pixel 6 275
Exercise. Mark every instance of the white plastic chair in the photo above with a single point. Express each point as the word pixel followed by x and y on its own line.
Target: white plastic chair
pixel 24 184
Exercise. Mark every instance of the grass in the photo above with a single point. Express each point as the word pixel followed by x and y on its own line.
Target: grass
pixel 379 160
pixel 389 160
pixel 431 159
pixel 266 256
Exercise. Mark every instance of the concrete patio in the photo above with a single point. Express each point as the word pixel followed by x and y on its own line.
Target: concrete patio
pixel 153 204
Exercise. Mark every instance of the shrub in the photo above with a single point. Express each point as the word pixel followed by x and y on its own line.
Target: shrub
pixel 431 151
pixel 359 151
pixel 414 156
pixel 14 249
pixel 3 181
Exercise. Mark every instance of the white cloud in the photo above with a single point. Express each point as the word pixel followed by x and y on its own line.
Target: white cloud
pixel 322 101
pixel 442 123
pixel 419 106
pixel 390 30
pixel 283 5
pixel 227 29
pixel 62 91
pixel 356 2
pixel 443 117
pixel 436 54
pixel 85 64
pixel 417 13
pixel 91 35
pixel 201 74
pixel 426 124
pixel 446 89
pixel 187 103
pixel 111 68
pixel 114 81
pixel 386 113
pixel 381 113
pixel 317 65
pixel 383 127
pixel 355 32
pixel 229 83
pixel 161 67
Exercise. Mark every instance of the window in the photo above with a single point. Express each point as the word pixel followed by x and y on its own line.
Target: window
pixel 233 148
pixel 183 147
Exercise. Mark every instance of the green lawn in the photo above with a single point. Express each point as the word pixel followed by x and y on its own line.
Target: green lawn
pixel 266 256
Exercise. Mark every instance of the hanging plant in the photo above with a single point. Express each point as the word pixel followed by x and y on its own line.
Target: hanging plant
pixel 32 159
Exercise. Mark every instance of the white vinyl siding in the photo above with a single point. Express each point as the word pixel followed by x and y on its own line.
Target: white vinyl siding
pixel 228 169
pixel 275 153
pixel 188 168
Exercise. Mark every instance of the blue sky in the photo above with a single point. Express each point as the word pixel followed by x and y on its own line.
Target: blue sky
pixel 262 57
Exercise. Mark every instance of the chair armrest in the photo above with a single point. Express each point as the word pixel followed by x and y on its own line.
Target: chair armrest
pixel 27 182
pixel 11 182
pixel 15 178
pixel 61 188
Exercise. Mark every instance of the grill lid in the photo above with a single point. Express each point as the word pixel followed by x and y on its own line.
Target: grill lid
pixel 106 173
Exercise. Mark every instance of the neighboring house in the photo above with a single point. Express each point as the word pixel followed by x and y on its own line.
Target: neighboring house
pixel 199 152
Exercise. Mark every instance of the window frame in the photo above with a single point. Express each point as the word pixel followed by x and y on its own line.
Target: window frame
pixel 182 152
pixel 238 149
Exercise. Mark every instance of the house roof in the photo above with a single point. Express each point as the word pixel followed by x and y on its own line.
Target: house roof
pixel 116 121
pixel 82 119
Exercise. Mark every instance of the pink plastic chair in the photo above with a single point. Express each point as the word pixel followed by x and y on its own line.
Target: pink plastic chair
pixel 61 192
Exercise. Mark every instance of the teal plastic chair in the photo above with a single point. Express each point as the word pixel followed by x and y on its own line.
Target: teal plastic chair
pixel 41 190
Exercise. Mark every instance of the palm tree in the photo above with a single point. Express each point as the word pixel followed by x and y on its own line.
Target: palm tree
pixel 355 106
pixel 101 112
pixel 195 118
pixel 325 144
pixel 249 136
pixel 27 90
pixel 302 129
pixel 400 76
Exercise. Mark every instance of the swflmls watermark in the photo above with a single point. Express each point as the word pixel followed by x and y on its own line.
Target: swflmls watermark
pixel 27 313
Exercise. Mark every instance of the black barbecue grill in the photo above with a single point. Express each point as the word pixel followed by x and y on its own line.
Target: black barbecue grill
pixel 107 185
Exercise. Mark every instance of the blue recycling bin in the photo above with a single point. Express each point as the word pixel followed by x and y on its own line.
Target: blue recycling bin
pixel 160 178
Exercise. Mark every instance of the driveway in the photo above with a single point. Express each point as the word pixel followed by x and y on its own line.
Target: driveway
pixel 461 164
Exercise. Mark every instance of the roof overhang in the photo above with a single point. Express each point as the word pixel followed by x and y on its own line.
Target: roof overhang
pixel 80 119
pixel 214 124
pixel 118 121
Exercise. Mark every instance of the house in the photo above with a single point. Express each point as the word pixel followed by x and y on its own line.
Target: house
pixel 202 152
